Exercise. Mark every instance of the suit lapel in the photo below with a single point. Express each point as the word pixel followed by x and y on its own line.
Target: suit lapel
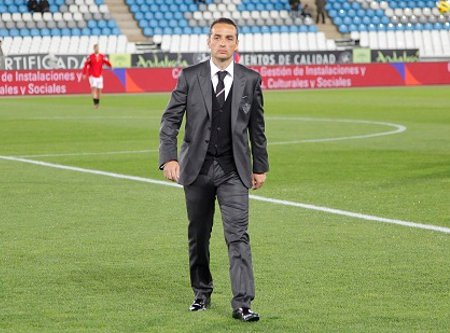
pixel 238 89
pixel 204 79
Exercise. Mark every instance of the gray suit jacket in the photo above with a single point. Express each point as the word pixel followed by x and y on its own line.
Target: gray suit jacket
pixel 193 96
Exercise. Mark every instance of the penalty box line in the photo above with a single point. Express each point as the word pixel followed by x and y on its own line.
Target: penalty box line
pixel 328 210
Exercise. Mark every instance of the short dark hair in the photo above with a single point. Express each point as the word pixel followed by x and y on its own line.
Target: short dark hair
pixel 224 20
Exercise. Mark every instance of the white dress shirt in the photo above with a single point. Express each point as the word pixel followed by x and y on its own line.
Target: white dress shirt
pixel 227 81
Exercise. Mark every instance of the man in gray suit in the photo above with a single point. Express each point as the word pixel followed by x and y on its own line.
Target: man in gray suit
pixel 223 104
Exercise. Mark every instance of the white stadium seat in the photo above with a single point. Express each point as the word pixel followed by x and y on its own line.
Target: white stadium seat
pixel 312 42
pixel 45 44
pixel 267 42
pixel 294 42
pixel 283 40
pixel 122 44
pixel 83 45
pixel 54 45
pixel 112 44
pixel 258 42
pixel 25 45
pixel 74 44
pixel 302 41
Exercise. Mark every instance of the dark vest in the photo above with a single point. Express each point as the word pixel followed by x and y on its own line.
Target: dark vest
pixel 220 145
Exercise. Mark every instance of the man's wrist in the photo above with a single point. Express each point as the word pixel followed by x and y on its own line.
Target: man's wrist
pixel 165 163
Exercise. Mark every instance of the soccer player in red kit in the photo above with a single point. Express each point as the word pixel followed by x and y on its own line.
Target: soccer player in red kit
pixel 94 67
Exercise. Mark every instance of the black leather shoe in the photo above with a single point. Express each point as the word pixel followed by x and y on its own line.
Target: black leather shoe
pixel 245 314
pixel 199 305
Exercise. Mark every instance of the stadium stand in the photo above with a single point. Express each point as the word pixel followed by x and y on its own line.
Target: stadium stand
pixel 72 26
pixel 265 25
pixel 394 24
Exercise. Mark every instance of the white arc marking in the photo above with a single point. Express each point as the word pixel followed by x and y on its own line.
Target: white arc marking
pixel 398 129
pixel 254 197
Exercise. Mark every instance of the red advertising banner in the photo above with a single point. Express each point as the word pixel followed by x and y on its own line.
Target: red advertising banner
pixel 135 80
pixel 354 75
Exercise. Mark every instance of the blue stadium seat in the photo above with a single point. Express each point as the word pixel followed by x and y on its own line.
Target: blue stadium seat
pixel 13 8
pixel 343 29
pixel 85 32
pixel 143 23
pixel 148 32
pixel 55 32
pixel 293 28
pixel 376 20
pixel 101 24
pixel 167 31
pixel 35 32
pixel 303 28
pixel 24 32
pixel 245 30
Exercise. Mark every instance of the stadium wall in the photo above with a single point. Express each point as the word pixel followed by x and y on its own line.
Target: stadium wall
pixel 141 80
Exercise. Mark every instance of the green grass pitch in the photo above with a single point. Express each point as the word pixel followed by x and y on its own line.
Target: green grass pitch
pixel 82 252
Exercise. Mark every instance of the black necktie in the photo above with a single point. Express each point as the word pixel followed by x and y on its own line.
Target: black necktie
pixel 220 89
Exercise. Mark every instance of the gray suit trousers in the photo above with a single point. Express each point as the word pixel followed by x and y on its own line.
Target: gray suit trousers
pixel 233 202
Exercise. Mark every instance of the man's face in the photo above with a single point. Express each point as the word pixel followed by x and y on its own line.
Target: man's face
pixel 96 49
pixel 222 41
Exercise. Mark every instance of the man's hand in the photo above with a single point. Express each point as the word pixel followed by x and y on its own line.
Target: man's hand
pixel 172 171
pixel 258 180
pixel 84 76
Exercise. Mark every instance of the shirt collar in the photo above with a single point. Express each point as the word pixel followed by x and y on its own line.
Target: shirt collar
pixel 215 69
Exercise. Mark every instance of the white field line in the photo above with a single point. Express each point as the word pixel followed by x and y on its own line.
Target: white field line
pixel 254 197
pixel 97 153
pixel 398 129
pixel 87 117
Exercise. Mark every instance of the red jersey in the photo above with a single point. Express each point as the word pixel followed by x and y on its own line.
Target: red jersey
pixel 94 64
